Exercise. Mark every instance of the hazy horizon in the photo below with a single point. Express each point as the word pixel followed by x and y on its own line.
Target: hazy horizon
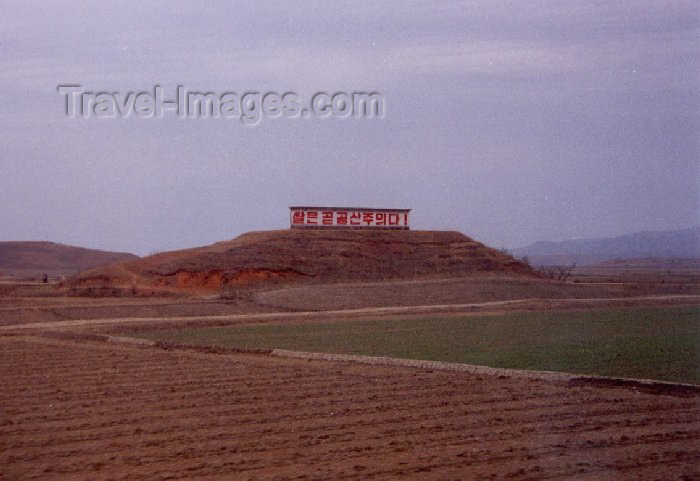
pixel 510 123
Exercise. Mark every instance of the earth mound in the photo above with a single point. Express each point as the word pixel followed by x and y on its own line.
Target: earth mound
pixel 34 259
pixel 293 256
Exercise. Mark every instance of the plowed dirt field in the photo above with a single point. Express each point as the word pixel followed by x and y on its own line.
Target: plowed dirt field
pixel 80 409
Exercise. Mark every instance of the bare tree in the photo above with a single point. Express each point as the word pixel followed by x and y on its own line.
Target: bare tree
pixel 560 272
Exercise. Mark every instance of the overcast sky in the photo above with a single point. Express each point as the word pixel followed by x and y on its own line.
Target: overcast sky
pixel 509 121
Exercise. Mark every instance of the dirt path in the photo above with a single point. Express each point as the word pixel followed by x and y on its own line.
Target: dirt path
pixel 89 410
pixel 371 311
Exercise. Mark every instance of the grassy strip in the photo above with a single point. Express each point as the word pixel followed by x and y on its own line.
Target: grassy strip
pixel 655 343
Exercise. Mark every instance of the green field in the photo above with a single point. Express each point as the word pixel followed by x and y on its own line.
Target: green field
pixel 655 343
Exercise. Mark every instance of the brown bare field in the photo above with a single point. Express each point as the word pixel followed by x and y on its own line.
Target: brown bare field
pixel 79 308
pixel 460 290
pixel 78 409
pixel 666 273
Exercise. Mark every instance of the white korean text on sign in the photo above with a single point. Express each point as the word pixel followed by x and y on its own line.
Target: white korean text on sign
pixel 348 217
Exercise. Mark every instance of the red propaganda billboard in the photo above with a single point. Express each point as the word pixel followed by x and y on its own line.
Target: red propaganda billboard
pixel 348 218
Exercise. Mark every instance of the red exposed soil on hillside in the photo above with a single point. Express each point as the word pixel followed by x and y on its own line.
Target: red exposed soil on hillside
pixel 292 256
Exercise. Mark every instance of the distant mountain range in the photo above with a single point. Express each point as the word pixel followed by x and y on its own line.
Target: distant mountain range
pixel 684 243
pixel 31 259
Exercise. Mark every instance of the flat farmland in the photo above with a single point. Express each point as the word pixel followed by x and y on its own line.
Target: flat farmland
pixel 660 343
pixel 79 409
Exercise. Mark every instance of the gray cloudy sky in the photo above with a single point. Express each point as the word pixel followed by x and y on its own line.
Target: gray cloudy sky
pixel 509 121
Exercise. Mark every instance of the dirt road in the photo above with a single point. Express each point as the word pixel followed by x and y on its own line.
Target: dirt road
pixel 515 304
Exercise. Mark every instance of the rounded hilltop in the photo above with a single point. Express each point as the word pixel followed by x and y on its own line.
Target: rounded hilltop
pixel 32 259
pixel 311 256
